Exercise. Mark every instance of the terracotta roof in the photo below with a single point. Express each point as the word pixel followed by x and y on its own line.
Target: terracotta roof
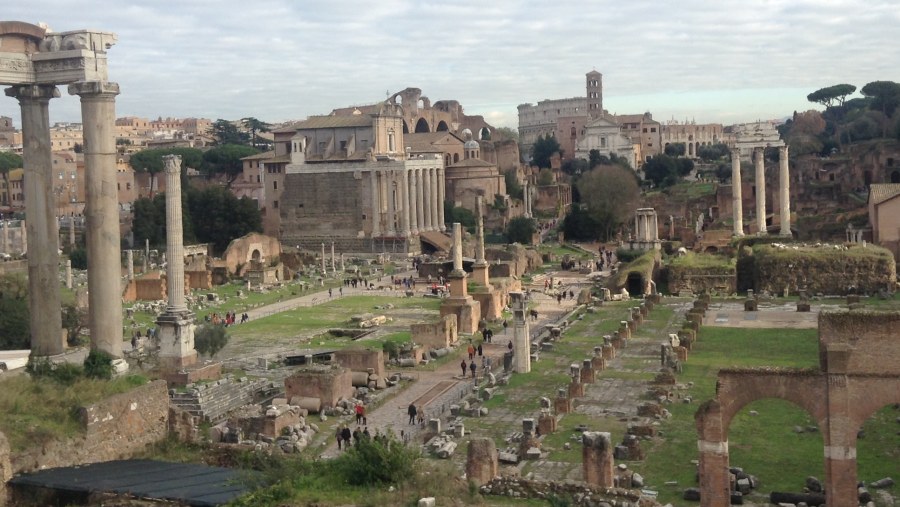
pixel 880 192
pixel 424 142
pixel 261 156
pixel 472 162
pixel 329 122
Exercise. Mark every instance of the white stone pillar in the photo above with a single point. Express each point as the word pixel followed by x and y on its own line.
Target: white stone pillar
pixel 174 235
pixel 521 334
pixel 333 263
pixel 784 191
pixel 654 230
pixel 4 238
pixel 42 228
pixel 479 230
pixel 98 114
pixel 68 274
pixel 129 254
pixel 343 268
pixel 72 232
pixel 413 202
pixel 426 200
pixel 434 199
pixel 441 198
pixel 404 200
pixel 457 249
pixel 390 195
pixel 759 155
pixel 525 199
pixel 324 266
pixel 376 205
pixel 737 207
pixel 420 200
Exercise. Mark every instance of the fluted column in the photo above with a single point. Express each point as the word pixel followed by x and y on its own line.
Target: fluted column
pixel 413 203
pixel 784 191
pixel 404 199
pixel 98 113
pixel 42 227
pixel 759 155
pixel 391 202
pixel 441 198
pixel 434 199
pixel 376 205
pixel 426 201
pixel 420 200
pixel 174 236
pixel 737 207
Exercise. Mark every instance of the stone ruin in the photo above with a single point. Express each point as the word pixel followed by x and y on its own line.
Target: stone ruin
pixel 318 387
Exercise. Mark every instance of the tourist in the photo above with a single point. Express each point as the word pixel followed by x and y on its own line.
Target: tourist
pixel 411 412
pixel 367 435
pixel 472 367
pixel 339 436
pixel 421 416
pixel 463 366
pixel 510 346
pixel 480 350
pixel 471 352
pixel 505 325
pixel 346 435
pixel 359 413
pixel 571 294
pixel 329 292
pixel 356 435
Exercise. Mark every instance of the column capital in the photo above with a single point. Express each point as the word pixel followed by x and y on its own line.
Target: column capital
pixel 33 92
pixel 98 88
pixel 172 163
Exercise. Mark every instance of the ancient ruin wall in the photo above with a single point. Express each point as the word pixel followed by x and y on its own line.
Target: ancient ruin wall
pixel 114 428
pixel 826 270
pixel 5 467
pixel 871 337
pixel 700 279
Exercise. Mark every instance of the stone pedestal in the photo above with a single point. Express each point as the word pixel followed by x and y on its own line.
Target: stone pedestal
pixel 562 405
pixel 547 423
pixel 597 459
pixel 576 389
pixel 587 372
pixel 625 329
pixel 482 463
pixel 176 340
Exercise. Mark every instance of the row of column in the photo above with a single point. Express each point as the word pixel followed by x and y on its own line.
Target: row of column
pixel 646 227
pixel 784 190
pixel 101 212
pixel 408 201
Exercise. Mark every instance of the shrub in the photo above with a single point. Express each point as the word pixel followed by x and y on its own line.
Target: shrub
pixel 391 348
pixel 98 365
pixel 79 258
pixel 62 373
pixel 209 339
pixel 377 461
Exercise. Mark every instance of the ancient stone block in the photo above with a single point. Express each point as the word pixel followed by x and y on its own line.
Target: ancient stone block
pixel 562 405
pixel 597 459
pixel 436 335
pixel 361 360
pixel 576 389
pixel 327 384
pixel 547 423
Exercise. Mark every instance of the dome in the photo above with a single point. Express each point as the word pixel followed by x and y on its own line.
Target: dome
pixel 471 144
pixel 466 134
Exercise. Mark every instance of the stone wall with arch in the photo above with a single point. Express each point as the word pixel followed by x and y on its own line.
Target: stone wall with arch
pixel 858 374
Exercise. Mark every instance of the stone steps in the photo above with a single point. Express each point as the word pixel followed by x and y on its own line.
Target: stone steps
pixel 214 401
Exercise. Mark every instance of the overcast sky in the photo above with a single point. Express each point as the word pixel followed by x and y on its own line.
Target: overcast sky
pixel 724 61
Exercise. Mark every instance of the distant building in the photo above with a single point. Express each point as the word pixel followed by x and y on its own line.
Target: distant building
pixel 884 215
pixel 644 131
pixel 605 136
pixel 692 135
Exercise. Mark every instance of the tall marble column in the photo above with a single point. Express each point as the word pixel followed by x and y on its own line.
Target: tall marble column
pixel 434 199
pixel 426 200
pixel 480 268
pixel 521 333
pixel 101 211
pixel 404 202
pixel 324 266
pixel 176 324
pixel 72 232
pixel 42 228
pixel 413 202
pixel 390 195
pixel 4 238
pixel 129 254
pixel 420 202
pixel 737 207
pixel 376 205
pixel 784 191
pixel 441 198
pixel 759 158
pixel 333 263
pixel 525 199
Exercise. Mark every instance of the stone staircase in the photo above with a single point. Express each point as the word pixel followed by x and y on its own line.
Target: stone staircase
pixel 213 401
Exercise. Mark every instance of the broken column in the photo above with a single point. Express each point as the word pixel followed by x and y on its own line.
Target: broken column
pixel 562 404
pixel 68 274
pixel 482 464
pixel 576 388
pixel 460 303
pixel 129 254
pixel 597 362
pixel 597 459
pixel 587 372
pixel 784 191
pixel 736 199
pixel 480 268
pixel 521 334
pixel 176 324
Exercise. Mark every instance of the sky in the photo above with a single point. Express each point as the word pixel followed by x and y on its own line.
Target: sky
pixel 710 61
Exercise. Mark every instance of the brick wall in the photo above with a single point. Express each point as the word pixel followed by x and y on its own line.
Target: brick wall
pixel 361 359
pixel 329 385
pixel 114 428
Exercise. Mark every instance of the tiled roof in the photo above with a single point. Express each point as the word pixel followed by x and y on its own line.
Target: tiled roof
pixel 424 142
pixel 880 192
pixel 329 122
pixel 472 162
pixel 261 156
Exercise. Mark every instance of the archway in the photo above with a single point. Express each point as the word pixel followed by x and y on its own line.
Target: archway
pixel 878 448
pixel 484 134
pixel 405 127
pixel 635 284
pixel 895 177
pixel 442 126
pixel 255 256
pixel 422 126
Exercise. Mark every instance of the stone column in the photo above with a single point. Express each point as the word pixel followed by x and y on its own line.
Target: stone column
pixel 98 113
pixel 4 238
pixel 324 266
pixel 420 201
pixel 333 264
pixel 388 189
pixel 671 227
pixel 715 490
pixel 343 268
pixel 737 207
pixel 68 274
pixel 146 255
pixel 480 268
pixel 654 230
pixel 441 198
pixel 413 203
pixel 43 236
pixel 521 334
pixel 597 459
pixel 482 463
pixel 129 254
pixel 759 155
pixel 176 324
pixel 376 205
pixel 525 199
pixel 784 191
pixel 72 232
pixel 434 199
pixel 404 200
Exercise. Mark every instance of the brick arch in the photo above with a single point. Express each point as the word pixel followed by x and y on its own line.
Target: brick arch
pixel 736 389
pixel 422 126
pixel 869 395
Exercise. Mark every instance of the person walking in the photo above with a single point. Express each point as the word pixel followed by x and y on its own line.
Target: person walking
pixel 411 412
pixel 339 436
pixel 471 351
pixel 346 435
pixel 359 413
pixel 505 325
pixel 472 368
pixel 480 350
pixel 462 365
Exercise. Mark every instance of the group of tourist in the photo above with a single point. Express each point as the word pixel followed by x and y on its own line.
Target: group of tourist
pixel 229 319
pixel 408 283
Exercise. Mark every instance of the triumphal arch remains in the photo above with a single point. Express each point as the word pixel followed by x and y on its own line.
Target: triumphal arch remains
pixel 33 61
pixel 858 374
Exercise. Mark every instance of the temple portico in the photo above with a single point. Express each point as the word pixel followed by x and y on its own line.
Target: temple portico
pixel 753 139
pixel 34 63
pixel 646 230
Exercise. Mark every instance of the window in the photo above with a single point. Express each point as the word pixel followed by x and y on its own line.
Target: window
pixel 343 145
pixel 890 162
pixel 645 130
pixel 652 129
pixel 128 186
pixel 275 185
pixel 275 204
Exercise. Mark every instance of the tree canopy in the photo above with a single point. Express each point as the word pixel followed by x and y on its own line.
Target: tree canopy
pixel 712 152
pixel 885 97
pixel 542 149
pixel 831 96
pixel 9 161
pixel 254 126
pixel 227 132
pixel 521 230
pixel 675 149
pixel 665 171
pixel 226 160
pixel 545 178
pixel 609 194
pixel 14 314
pixel 151 161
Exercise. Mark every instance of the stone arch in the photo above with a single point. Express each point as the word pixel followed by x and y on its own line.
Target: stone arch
pixel 635 283
pixel 737 388
pixel 256 256
pixel 405 127
pixel 442 126
pixel 422 126
pixel 871 395
pixel 484 134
